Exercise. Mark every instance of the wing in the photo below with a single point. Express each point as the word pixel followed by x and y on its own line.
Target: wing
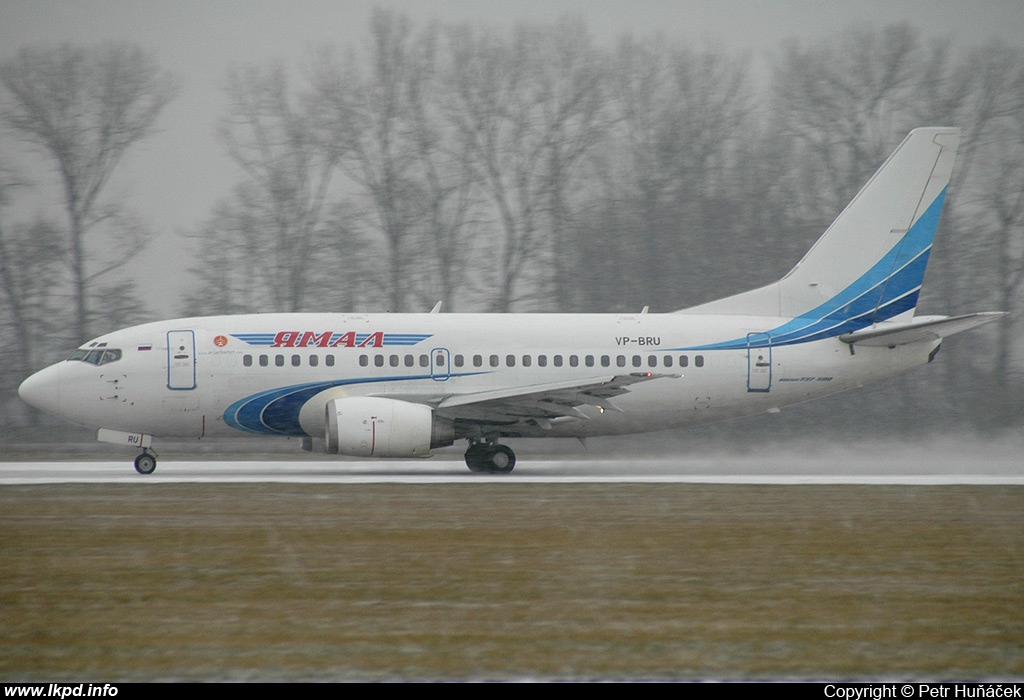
pixel 541 403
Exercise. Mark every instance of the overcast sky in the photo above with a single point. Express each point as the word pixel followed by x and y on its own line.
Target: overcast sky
pixel 173 178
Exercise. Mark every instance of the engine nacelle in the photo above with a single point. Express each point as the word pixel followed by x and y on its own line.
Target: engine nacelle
pixel 370 426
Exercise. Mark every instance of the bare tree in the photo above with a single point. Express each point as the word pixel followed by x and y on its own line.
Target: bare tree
pixel 274 137
pixel 369 113
pixel 85 108
pixel 230 277
pixel 450 198
pixel 527 111
pixel 675 171
pixel 572 99
pixel 30 257
pixel 845 104
pixel 986 259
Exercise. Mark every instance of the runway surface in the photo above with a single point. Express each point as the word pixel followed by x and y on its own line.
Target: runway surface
pixel 902 467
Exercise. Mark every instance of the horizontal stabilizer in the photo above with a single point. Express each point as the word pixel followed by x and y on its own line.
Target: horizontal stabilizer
pixel 921 328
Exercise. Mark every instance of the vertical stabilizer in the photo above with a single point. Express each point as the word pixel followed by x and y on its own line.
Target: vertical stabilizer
pixel 870 263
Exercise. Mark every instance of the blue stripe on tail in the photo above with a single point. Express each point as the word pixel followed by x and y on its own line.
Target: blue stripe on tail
pixel 885 291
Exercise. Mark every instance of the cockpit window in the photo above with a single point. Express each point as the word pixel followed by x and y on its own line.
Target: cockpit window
pixel 96 356
pixel 110 355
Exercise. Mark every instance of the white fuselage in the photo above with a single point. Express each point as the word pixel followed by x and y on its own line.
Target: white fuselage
pixel 272 374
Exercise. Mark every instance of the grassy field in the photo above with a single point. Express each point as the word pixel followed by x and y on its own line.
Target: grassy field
pixel 510 581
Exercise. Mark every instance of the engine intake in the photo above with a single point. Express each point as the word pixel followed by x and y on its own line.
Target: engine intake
pixel 370 426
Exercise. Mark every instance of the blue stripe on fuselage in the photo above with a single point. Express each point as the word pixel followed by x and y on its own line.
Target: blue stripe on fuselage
pixel 276 411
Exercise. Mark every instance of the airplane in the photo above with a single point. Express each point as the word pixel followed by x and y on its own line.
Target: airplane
pixel 398 385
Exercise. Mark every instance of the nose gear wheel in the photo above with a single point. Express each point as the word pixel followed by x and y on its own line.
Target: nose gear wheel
pixel 145 463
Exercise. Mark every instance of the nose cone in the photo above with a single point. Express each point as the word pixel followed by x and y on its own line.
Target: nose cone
pixel 42 390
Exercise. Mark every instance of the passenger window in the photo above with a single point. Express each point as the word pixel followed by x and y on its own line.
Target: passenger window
pixel 296 361
pixel 364 360
pixel 652 360
pixel 394 360
pixel 510 360
pixel 699 361
pixel 606 361
pixel 527 361
pixel 684 361
pixel 410 361
pixel 589 361
pixel 378 360
pixel 459 361
pixel 494 361
pixel 247 361
pixel 264 360
pixel 279 360
pixel 557 360
pixel 314 360
pixel 478 360
pixel 667 360
pixel 637 360
pixel 620 360
pixel 424 360
pixel 574 361
pixel 542 360
pixel 329 360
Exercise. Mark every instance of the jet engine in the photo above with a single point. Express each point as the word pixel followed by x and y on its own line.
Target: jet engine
pixel 369 426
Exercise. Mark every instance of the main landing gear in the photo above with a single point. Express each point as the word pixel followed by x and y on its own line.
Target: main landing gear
pixel 490 458
pixel 145 463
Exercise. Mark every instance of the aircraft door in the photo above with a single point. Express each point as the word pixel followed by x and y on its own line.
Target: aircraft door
pixel 759 362
pixel 181 360
pixel 440 364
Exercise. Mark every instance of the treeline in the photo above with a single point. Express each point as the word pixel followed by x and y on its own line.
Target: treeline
pixel 528 169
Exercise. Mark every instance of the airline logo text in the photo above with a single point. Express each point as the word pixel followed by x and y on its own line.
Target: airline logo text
pixel 330 339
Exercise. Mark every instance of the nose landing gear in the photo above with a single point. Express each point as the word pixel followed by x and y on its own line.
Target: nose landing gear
pixel 145 463
pixel 490 458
